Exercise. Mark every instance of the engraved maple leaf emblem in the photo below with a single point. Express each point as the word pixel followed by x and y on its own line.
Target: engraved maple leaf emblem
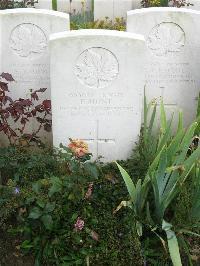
pixel 27 39
pixel 166 38
pixel 97 67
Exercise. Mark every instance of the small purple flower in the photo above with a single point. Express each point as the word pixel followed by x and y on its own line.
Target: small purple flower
pixel 79 224
pixel 16 190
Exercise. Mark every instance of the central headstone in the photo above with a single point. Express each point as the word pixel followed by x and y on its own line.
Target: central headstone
pixel 173 62
pixel 97 87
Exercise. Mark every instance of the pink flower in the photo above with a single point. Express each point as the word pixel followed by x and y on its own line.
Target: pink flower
pixel 94 236
pixel 89 191
pixel 79 224
pixel 78 147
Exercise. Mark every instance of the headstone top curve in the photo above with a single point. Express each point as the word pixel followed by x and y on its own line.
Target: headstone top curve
pixel 25 54
pixel 98 32
pixel 162 9
pixel 25 11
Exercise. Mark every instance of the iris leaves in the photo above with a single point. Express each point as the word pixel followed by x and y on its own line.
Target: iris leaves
pixel 170 166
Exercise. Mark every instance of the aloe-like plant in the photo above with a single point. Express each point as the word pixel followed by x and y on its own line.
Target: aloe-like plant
pixel 169 168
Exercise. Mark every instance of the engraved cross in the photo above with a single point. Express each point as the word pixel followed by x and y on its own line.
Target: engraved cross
pixel 98 140
pixel 162 96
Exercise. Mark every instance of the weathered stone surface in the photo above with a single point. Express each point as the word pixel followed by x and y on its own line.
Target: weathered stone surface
pixel 173 61
pixel 73 7
pixel 97 88
pixel 24 48
pixel 114 8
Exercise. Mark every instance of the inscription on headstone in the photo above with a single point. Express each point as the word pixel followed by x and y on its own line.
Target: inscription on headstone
pixel 173 46
pixel 25 52
pixel 28 40
pixel 166 38
pixel 96 67
pixel 97 88
pixel 25 55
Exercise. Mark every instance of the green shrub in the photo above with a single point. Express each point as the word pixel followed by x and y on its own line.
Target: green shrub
pixel 47 209
pixel 22 164
pixel 7 4
pixel 118 24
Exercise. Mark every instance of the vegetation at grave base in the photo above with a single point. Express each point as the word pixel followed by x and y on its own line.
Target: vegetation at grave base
pixel 78 23
pixel 65 217
pixel 174 167
pixel 62 209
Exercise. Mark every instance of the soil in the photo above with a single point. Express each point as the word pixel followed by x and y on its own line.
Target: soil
pixel 10 254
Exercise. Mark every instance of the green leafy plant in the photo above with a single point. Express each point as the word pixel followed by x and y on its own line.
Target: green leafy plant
pixel 48 215
pixel 78 23
pixel 169 169
pixel 50 196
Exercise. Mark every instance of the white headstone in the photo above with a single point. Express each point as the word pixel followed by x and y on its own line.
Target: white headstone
pixel 24 47
pixel 43 4
pixel 136 4
pixel 97 87
pixel 103 9
pixel 73 7
pixel 113 8
pixel 173 62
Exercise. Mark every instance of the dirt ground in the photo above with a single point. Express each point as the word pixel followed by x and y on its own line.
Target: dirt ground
pixel 10 254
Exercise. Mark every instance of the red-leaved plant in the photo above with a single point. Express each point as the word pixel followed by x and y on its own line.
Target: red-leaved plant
pixel 16 115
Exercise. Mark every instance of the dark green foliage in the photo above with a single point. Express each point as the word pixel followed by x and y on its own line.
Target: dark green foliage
pixel 23 165
pixel 7 4
pixel 48 205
